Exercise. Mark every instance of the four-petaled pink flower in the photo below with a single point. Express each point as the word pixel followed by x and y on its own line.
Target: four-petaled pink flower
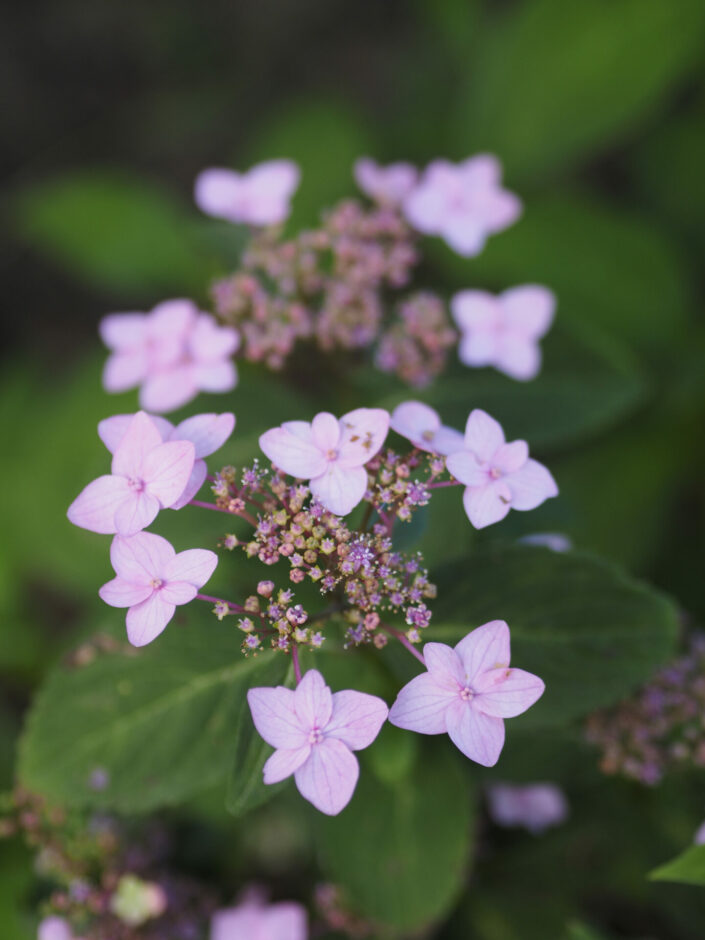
pixel 467 692
pixel 463 203
pixel 259 197
pixel 206 432
pixel 331 453
pixel 315 732
pixel 55 928
pixel 152 580
pixel 147 475
pixel 497 476
pixel 387 185
pixel 173 352
pixel 533 806
pixel 503 331
pixel 256 921
pixel 421 425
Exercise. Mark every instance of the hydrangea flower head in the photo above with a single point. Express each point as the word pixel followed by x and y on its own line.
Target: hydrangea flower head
pixel 315 733
pixel 421 424
pixel 463 203
pixel 207 433
pixel 55 928
pixel 388 185
pixel 261 196
pixel 329 452
pixel 503 331
pixel 255 921
pixel 172 353
pixel 467 693
pixel 147 475
pixel 152 580
pixel 533 806
pixel 497 476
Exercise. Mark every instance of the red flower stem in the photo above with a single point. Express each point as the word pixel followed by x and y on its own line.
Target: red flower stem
pixel 219 600
pixel 404 642
pixel 435 486
pixel 242 515
pixel 295 661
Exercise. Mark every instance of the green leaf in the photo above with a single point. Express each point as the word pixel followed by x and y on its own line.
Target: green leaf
pixel 687 868
pixel 557 82
pixel 590 632
pixel 401 850
pixel 160 722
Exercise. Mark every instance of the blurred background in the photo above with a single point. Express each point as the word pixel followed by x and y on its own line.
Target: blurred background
pixel 596 109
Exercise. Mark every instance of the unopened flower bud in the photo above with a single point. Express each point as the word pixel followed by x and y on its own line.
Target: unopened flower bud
pixel 265 588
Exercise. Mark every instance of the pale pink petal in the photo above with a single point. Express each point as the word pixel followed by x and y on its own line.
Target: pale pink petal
pixel 237 923
pixel 363 432
pixel 325 431
pixel 209 341
pixel 447 441
pixel 166 470
pixel 218 192
pixel 416 422
pixel 421 705
pixel 529 309
pixel 123 330
pixel 269 188
pixel 284 761
pixel 535 806
pixel 480 737
pixel 463 465
pixel 426 206
pixel 169 323
pixel 275 719
pixel 141 436
pixel 518 357
pixel 120 593
pixel 531 485
pixel 138 511
pixel 464 234
pixel 387 185
pixel 178 592
pixel 329 776
pixel 214 376
pixel 483 435
pixel 124 370
pixel 444 664
pixel 195 482
pixel 487 504
pixel 511 457
pixel 54 928
pixel 301 429
pixel 478 348
pixel 285 921
pixel 141 557
pixel 340 490
pixel 475 310
pixel 481 171
pixel 206 432
pixel 147 620
pixel 95 506
pixel 506 692
pixel 313 701
pixel 168 390
pixel 556 541
pixel 291 453
pixel 196 565
pixel 356 719
pixel 485 647
pixel 112 430
pixel 499 209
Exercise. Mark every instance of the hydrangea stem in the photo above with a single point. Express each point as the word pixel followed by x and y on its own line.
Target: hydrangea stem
pixel 236 608
pixel 243 515
pixel 404 642
pixel 297 664
pixel 436 486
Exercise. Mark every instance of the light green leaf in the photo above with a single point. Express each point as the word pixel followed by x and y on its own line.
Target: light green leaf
pixel 687 868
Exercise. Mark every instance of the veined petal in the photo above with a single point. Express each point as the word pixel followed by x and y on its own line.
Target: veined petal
pixel 166 470
pixel 283 763
pixel 147 620
pixel 112 430
pixel 292 454
pixel 480 737
pixel 511 457
pixel 325 431
pixel 275 719
pixel 483 435
pixel 444 664
pixel 96 505
pixel 464 466
pixel 531 485
pixel 195 482
pixel 313 701
pixel 339 490
pixel 487 504
pixel 120 593
pixel 141 557
pixel 485 647
pixel 178 592
pixel 141 436
pixel 356 719
pixel 363 431
pixel 421 706
pixel 416 422
pixel 447 441
pixel 329 776
pixel 136 513
pixel 196 565
pixel 169 389
pixel 507 692
pixel 206 432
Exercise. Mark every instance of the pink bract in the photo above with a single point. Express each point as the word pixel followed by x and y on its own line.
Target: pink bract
pixel 388 185
pixel 315 732
pixel 533 806
pixel 467 692
pixel 329 452
pixel 55 928
pixel 497 476
pixel 253 921
pixel 152 580
pixel 261 196
pixel 421 425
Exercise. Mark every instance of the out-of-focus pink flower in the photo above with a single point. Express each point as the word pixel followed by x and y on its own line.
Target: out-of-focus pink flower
pixel 556 541
pixel 467 692
pixel 503 331
pixel 152 580
pixel 421 425
pixel 463 203
pixel 387 185
pixel 497 476
pixel 55 928
pixel 207 433
pixel 147 475
pixel 699 837
pixel 315 732
pixel 255 921
pixel 329 452
pixel 261 196
pixel 173 352
pixel 534 806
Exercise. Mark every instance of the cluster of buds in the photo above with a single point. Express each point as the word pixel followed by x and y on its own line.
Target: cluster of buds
pixel 415 347
pixel 661 727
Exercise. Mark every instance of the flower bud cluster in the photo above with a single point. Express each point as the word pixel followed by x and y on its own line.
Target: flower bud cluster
pixel 415 347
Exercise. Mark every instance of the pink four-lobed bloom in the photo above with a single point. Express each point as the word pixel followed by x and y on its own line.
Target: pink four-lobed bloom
pixel 497 476
pixel 152 580
pixel 207 433
pixel 261 196
pixel 147 475
pixel 315 733
pixel 329 452
pixel 252 920
pixel 533 806
pixel 503 330
pixel 55 928
pixel 387 185
pixel 421 424
pixel 172 353
pixel 464 203
pixel 467 693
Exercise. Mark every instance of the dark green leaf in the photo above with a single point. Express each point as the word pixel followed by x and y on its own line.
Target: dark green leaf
pixel 687 868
